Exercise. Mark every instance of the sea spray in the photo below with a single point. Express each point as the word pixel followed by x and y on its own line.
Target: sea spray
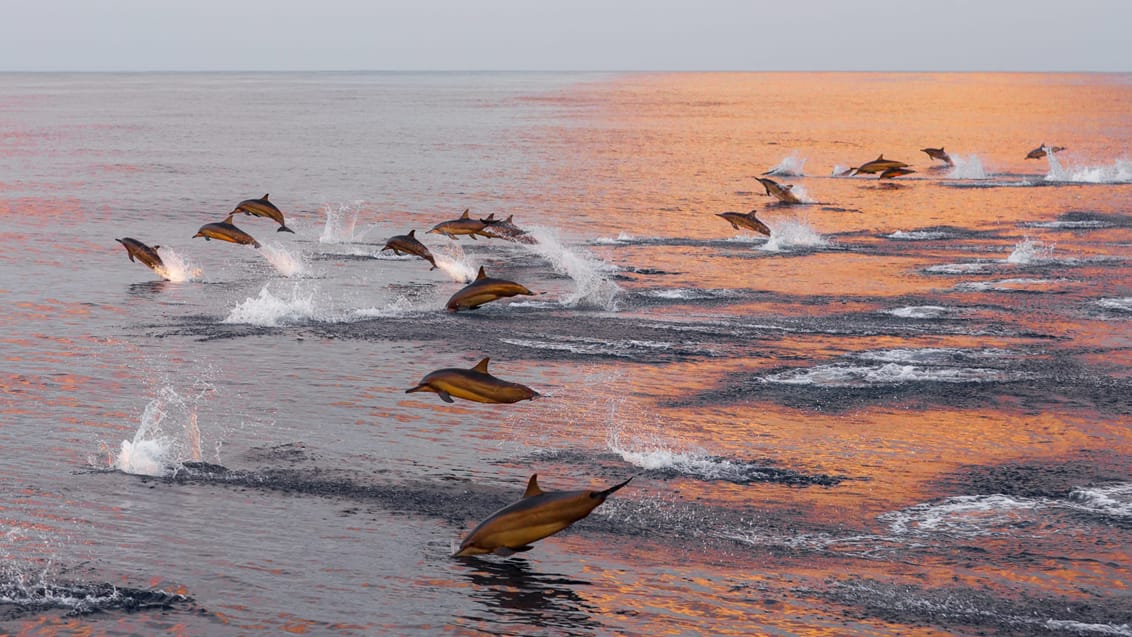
pixel 1119 172
pixel 788 234
pixel 451 260
pixel 177 268
pixel 592 285
pixel 1030 251
pixel 286 261
pixel 969 167
pixel 341 222
pixel 167 436
pixel 791 166
pixel 269 310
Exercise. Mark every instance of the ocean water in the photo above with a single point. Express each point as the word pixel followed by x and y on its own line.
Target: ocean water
pixel 906 412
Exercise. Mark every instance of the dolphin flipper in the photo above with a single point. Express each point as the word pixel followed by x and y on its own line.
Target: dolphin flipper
pixel 445 396
pixel 285 229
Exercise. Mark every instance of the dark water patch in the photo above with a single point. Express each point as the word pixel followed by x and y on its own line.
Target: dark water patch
pixel 975 611
pixel 515 596
pixel 1032 479
pixel 19 599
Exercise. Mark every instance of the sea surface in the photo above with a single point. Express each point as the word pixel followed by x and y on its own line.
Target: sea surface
pixel 908 411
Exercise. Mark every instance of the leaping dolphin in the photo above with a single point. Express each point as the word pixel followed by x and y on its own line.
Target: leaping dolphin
pixel 474 384
pixel 263 208
pixel 889 173
pixel 537 515
pixel 484 290
pixel 225 231
pixel 878 165
pixel 778 191
pixel 147 255
pixel 749 221
pixel 409 244
pixel 938 153
pixel 465 225
pixel 1041 151
pixel 507 230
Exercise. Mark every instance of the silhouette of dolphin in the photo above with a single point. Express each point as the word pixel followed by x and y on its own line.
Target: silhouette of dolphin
pixel 878 165
pixel 889 173
pixel 263 208
pixel 749 221
pixel 938 153
pixel 147 255
pixel 474 384
pixel 506 230
pixel 225 231
pixel 484 290
pixel 778 191
pixel 409 244
pixel 1040 151
pixel 537 515
pixel 465 225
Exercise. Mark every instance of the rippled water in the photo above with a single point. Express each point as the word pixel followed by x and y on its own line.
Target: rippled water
pixel 907 411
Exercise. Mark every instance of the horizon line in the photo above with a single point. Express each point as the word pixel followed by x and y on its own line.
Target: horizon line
pixel 369 70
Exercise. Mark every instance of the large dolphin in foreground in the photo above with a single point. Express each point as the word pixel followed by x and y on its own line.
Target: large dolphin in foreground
pixel 778 191
pixel 147 255
pixel 938 153
pixel 484 290
pixel 409 244
pixel 1041 151
pixel 474 384
pixel 263 208
pixel 538 514
pixel 878 165
pixel 465 225
pixel 225 231
pixel 748 220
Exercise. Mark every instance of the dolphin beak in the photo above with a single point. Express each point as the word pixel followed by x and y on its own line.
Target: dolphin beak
pixel 602 495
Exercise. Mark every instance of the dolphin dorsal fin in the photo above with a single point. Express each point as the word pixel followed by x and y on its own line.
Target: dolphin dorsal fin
pixel 532 487
pixel 481 275
pixel 481 366
pixel 465 215
pixel 411 233
pixel 490 217
pixel 228 219
pixel 509 218
pixel 265 196
pixel 880 157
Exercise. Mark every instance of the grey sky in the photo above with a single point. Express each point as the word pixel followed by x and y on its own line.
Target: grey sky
pixel 898 35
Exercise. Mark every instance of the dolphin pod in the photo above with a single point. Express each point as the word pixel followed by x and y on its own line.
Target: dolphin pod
pixel 537 515
pixel 1042 149
pixel 263 208
pixel 938 153
pixel 225 231
pixel 749 221
pixel 484 290
pixel 147 255
pixel 475 384
pixel 465 225
pixel 778 191
pixel 409 244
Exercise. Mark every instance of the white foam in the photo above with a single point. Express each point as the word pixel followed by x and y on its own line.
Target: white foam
pixel 1113 500
pixel 451 260
pixel 969 167
pixel 962 516
pixel 932 355
pixel 177 268
pixel 918 235
pixel 789 234
pixel 839 170
pixel 1030 251
pixel 621 238
pixel 625 348
pixel 962 268
pixel 688 294
pixel 401 306
pixel 1076 628
pixel 922 311
pixel 847 375
pixel 592 287
pixel 1069 225
pixel 1004 285
pixel 341 222
pixel 167 435
pixel 1119 172
pixel 1120 305
pixel 791 166
pixel 269 310
pixel 286 261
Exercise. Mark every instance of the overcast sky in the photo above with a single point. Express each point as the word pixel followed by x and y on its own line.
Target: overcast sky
pixel 898 35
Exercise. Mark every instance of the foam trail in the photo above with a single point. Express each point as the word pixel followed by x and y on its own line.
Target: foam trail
pixel 592 287
pixel 790 166
pixel 792 233
pixel 176 268
pixel 341 223
pixel 969 167
pixel 269 310
pixel 167 436
pixel 1030 251
pixel 284 261
pixel 452 261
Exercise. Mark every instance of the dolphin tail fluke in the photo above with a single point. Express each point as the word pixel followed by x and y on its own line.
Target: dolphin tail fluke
pixel 602 495
pixel 255 244
pixel 285 229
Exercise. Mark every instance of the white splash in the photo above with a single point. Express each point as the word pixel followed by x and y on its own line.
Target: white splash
pixel 621 238
pixel 1112 500
pixel 962 516
pixel 848 375
pixel 341 222
pixel 168 435
pixel 793 233
pixel 1120 305
pixel 269 310
pixel 918 235
pixel 921 311
pixel 839 170
pixel 285 261
pixel 451 260
pixel 1030 251
pixel 802 194
pixel 592 287
pixel 688 294
pixel 176 268
pixel 1005 285
pixel 1119 172
pixel 790 166
pixel 969 167
pixel 401 306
